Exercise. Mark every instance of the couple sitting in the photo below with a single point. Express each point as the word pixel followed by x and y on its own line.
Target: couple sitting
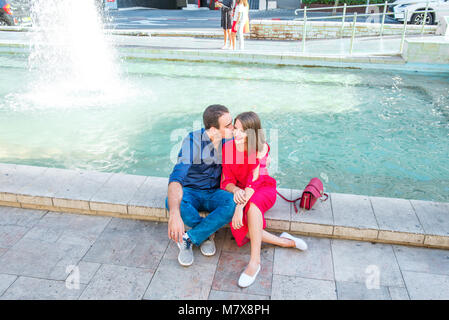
pixel 229 179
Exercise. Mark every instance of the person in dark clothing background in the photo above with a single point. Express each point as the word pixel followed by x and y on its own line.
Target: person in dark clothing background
pixel 227 6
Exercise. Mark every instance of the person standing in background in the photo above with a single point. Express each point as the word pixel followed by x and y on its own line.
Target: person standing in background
pixel 238 25
pixel 227 7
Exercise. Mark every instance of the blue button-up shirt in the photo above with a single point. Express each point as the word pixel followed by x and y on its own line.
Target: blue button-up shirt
pixel 199 163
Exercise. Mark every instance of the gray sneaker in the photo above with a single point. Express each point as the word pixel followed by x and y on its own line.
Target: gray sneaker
pixel 185 256
pixel 208 246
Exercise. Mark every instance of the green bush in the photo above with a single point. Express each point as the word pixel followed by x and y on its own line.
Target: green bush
pixel 341 2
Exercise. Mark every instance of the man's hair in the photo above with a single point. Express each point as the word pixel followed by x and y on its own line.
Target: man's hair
pixel 212 114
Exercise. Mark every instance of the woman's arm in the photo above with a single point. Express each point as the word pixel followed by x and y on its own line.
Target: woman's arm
pixel 254 174
pixel 248 193
pixel 228 181
pixel 253 177
pixel 251 183
pixel 237 14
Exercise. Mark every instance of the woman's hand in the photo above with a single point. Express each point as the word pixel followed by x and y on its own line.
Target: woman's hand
pixel 237 219
pixel 248 193
pixel 239 196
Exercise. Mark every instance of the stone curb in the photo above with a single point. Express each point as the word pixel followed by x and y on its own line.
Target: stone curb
pixel 144 32
pixel 41 188
pixel 390 62
pixel 378 62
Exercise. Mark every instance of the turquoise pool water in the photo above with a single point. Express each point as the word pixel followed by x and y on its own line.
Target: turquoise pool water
pixel 375 133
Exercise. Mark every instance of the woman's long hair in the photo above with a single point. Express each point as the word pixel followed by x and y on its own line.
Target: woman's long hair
pixel 245 2
pixel 253 128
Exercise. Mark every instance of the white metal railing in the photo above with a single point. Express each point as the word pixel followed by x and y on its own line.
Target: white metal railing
pixel 343 17
pixel 385 4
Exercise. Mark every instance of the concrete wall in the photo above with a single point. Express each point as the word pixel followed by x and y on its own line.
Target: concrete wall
pixel 292 30
pixel 427 50
pixel 288 4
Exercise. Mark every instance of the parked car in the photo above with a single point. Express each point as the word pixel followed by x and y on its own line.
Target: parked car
pixel 6 16
pixel 437 9
pixel 15 12
pixel 22 11
pixel 100 4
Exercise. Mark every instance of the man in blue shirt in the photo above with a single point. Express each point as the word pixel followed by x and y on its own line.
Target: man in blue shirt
pixel 194 185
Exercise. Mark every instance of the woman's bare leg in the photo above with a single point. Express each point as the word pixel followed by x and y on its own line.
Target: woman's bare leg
pixel 225 36
pixel 255 228
pixel 270 238
pixel 278 241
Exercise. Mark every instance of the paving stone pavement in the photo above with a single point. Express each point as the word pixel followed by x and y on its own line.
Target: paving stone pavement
pixel 51 255
pixel 372 45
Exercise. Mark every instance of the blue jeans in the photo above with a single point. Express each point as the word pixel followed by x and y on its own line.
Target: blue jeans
pixel 219 203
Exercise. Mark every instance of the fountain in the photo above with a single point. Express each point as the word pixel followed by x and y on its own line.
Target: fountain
pixel 68 101
pixel 73 62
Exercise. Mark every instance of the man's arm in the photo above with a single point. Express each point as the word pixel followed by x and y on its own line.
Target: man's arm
pixel 239 194
pixel 175 224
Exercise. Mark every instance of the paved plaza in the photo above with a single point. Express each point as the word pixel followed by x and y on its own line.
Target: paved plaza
pixel 211 41
pixel 43 254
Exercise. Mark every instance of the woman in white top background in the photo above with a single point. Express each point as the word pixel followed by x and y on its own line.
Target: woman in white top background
pixel 240 19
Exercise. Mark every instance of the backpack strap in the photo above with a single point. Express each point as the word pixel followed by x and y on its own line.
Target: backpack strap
pixel 291 201
pixel 295 200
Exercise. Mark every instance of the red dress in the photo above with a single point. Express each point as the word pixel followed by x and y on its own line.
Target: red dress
pixel 238 168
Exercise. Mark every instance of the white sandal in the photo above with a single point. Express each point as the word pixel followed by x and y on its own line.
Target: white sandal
pixel 299 243
pixel 246 280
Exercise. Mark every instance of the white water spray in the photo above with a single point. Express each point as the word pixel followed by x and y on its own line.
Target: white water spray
pixel 75 65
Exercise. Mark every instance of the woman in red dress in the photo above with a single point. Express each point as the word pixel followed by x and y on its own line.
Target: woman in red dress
pixel 245 174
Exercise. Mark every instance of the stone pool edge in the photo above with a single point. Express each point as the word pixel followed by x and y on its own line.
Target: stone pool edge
pixel 392 62
pixel 343 216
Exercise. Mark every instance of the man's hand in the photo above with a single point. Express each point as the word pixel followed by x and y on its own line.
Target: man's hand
pixel 239 196
pixel 175 227
pixel 218 4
